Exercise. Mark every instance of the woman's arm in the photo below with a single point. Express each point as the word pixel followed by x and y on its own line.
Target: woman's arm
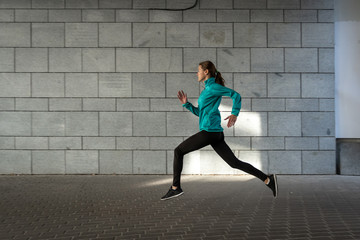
pixel 183 99
pixel 219 90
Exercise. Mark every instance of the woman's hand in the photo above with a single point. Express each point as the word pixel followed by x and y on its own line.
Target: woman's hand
pixel 232 120
pixel 182 97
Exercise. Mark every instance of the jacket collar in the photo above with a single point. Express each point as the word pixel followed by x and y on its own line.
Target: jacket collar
pixel 209 81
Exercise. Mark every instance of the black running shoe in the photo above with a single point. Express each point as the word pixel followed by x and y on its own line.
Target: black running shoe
pixel 172 193
pixel 273 184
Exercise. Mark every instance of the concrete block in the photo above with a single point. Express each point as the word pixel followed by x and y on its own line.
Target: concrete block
pixel 31 60
pixel 98 15
pixel 267 60
pixel 259 159
pixel 267 16
pixel 199 15
pixel 155 124
pixel 31 143
pixel 301 60
pixel 82 162
pixel 181 123
pixel 15 35
pixel 99 60
pixel 81 35
pixel 193 56
pixel 68 15
pixel 216 35
pixel 48 162
pixel 319 4
pixel 133 143
pixel 212 163
pixel 318 85
pixel 115 85
pixel 145 4
pixel 268 143
pixel 99 104
pixel 65 60
pixel 14 85
pixel 48 85
pixel 15 124
pixel 301 143
pixel 302 105
pixel 284 35
pixel 132 15
pixel 300 16
pixel 7 104
pixel 216 4
pixel 165 143
pixel 349 156
pixel 319 162
pixel 15 4
pixel 32 104
pixel 48 3
pixel 326 60
pixel 48 124
pixel 182 35
pixel 250 4
pixel 82 4
pixel 115 35
pixel 234 59
pixel 232 16
pixel 165 105
pixel 7 59
pixel 250 84
pixel 82 124
pixel 250 35
pixel 116 124
pixel 284 85
pixel 285 162
pixel 31 15
pixel 283 4
pixel 174 4
pixel 238 143
pixel 318 124
pixel 166 60
pixel 15 162
pixel 284 124
pixel 191 163
pixel 116 162
pixel 65 143
pixel 268 105
pixel 165 16
pixel 327 104
pixel 327 143
pixel 318 35
pixel 181 81
pixel 149 35
pixel 81 85
pixel 149 162
pixel 132 60
pixel 99 143
pixel 65 104
pixel 227 103
pixel 251 124
pixel 115 4
pixel 48 35
pixel 7 15
pixel 7 143
pixel 132 104
pixel 326 16
pixel 148 85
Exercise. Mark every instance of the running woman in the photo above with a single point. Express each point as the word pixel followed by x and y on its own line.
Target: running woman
pixel 211 131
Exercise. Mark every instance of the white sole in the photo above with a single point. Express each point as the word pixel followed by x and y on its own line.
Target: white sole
pixel 172 196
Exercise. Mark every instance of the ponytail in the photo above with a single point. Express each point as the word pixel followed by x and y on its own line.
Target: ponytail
pixel 219 79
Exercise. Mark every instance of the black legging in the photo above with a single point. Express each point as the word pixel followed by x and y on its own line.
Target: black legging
pixel 216 139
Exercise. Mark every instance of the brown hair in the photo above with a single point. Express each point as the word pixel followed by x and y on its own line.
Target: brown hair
pixel 212 71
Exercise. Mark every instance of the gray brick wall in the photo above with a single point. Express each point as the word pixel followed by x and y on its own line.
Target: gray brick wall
pixel 89 87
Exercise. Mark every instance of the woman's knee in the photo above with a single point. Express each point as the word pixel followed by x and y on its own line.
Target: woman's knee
pixel 178 151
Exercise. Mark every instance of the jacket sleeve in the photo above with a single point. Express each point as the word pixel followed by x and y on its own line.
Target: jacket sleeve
pixel 191 108
pixel 219 90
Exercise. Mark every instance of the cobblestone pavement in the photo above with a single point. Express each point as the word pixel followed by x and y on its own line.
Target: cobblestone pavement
pixel 212 207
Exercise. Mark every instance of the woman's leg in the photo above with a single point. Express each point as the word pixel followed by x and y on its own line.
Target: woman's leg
pixel 195 142
pixel 225 153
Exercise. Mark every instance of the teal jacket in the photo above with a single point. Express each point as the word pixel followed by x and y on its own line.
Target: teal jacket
pixel 209 101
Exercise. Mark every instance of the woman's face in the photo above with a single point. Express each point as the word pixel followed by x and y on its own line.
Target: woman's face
pixel 201 74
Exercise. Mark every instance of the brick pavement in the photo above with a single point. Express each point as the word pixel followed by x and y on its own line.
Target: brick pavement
pixel 213 207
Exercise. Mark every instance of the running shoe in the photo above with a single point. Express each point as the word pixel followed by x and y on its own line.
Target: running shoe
pixel 273 184
pixel 172 193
